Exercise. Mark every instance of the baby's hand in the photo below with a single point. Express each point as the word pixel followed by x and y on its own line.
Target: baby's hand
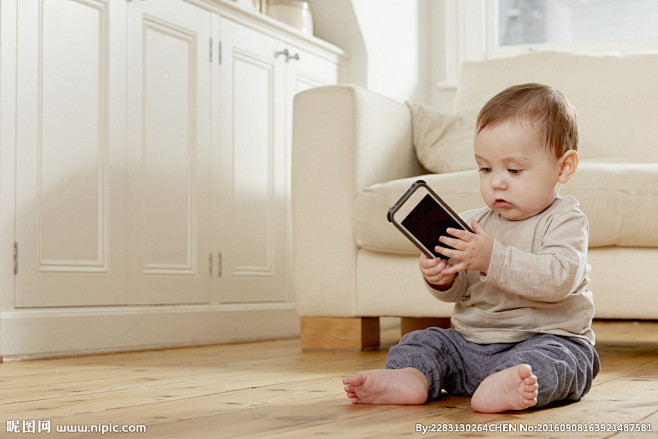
pixel 472 250
pixel 434 272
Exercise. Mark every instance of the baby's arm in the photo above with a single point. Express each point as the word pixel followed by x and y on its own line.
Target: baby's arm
pixel 557 269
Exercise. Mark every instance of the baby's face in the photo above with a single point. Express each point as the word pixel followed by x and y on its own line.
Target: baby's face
pixel 518 174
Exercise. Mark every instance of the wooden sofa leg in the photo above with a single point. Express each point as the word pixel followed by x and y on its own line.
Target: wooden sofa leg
pixel 339 332
pixel 410 324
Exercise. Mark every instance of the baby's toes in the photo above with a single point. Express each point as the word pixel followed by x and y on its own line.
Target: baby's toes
pixel 530 395
pixel 530 380
pixel 530 392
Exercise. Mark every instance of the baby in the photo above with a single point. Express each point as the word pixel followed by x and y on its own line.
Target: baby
pixel 522 318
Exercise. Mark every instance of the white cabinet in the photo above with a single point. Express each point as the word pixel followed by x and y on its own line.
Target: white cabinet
pixel 250 182
pixel 168 166
pixel 152 178
pixel 260 75
pixel 70 153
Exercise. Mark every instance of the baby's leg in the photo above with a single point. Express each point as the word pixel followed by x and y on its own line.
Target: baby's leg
pixel 387 386
pixel 514 388
pixel 416 369
pixel 439 354
pixel 564 366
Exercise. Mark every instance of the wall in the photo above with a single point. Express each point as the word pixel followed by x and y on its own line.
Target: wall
pixel 413 49
pixel 389 43
pixel 335 21
pixel 394 33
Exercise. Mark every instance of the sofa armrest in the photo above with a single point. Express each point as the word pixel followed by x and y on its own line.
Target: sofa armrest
pixel 344 139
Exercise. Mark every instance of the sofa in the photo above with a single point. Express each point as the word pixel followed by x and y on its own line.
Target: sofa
pixel 355 152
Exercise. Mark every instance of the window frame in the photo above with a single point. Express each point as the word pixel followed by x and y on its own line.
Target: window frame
pixel 492 50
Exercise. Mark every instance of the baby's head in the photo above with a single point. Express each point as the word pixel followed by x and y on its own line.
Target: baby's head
pixel 526 140
pixel 543 107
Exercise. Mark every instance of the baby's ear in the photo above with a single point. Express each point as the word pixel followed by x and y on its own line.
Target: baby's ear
pixel 568 165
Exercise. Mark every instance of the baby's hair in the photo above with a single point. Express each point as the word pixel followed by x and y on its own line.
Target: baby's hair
pixel 544 107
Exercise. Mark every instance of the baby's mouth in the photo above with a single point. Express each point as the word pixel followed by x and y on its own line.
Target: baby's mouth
pixel 503 204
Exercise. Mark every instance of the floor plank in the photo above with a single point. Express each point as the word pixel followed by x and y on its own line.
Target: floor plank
pixel 272 389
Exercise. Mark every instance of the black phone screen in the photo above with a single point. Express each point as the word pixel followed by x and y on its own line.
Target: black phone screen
pixel 427 222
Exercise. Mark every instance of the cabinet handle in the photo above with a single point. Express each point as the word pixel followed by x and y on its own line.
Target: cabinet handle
pixel 286 53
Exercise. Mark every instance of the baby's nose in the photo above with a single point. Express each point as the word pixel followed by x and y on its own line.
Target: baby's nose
pixel 499 182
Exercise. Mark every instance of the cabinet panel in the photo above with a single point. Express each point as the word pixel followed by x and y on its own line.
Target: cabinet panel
pixel 168 149
pixel 168 138
pixel 72 143
pixel 253 155
pixel 69 197
pixel 251 191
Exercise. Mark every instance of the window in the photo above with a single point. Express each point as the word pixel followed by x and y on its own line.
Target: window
pixel 486 29
pixel 587 23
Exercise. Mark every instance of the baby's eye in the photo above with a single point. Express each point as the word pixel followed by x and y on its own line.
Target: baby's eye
pixel 514 171
pixel 485 170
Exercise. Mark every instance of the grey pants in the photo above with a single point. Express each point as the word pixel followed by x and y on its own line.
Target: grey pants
pixel 564 366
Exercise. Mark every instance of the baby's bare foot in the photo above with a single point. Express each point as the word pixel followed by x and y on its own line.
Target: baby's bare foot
pixel 514 388
pixel 387 386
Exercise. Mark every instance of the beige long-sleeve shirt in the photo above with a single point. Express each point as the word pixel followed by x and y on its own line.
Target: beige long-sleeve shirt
pixel 536 281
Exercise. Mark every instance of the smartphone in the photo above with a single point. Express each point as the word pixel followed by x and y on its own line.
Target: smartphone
pixel 422 216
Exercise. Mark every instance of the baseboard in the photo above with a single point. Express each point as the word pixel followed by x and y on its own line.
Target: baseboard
pixel 38 333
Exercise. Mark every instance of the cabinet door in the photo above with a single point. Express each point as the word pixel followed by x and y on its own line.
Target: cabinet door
pixel 304 70
pixel 70 152
pixel 250 173
pixel 168 152
pixel 308 70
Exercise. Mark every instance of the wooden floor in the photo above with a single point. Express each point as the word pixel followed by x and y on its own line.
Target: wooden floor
pixel 273 390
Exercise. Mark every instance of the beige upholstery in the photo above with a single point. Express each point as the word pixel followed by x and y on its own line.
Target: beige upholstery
pixel 353 156
pixel 620 201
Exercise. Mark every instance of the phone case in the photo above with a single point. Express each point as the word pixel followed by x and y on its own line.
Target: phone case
pixel 443 204
pixel 404 197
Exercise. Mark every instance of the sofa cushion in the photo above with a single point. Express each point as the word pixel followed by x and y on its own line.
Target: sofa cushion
pixel 443 142
pixel 619 199
pixel 373 231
